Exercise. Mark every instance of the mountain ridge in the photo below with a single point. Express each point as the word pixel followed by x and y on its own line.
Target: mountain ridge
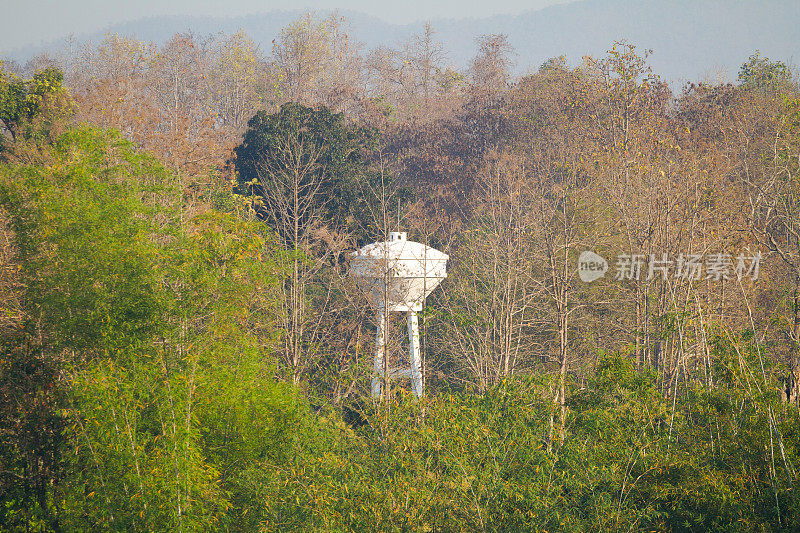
pixel 690 39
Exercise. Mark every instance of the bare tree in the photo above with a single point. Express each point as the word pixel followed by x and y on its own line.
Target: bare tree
pixel 769 173
pixel 315 61
pixel 493 297
pixel 238 80
pixel 291 181
pixel 491 67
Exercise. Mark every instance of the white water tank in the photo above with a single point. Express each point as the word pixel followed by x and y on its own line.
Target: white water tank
pixel 411 270
pixel 396 276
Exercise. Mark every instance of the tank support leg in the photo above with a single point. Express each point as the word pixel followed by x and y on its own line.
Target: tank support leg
pixel 414 353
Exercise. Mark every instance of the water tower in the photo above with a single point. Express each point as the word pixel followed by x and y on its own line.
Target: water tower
pixel 396 276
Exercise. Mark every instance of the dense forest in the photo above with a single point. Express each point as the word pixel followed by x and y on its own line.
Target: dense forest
pixel 182 348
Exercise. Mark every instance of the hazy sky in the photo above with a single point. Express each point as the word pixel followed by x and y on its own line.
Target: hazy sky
pixel 25 22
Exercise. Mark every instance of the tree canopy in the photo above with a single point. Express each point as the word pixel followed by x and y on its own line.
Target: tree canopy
pixel 761 73
pixel 314 153
pixel 182 347
pixel 31 108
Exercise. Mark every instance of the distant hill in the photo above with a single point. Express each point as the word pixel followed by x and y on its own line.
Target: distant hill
pixel 691 39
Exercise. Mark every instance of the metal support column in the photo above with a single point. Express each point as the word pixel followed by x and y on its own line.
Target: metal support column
pixel 414 353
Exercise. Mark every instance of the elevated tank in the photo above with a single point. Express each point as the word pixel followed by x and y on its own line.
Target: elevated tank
pixel 396 276
pixel 410 269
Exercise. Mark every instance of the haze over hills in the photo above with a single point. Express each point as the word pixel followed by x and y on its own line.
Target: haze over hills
pixel 690 39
